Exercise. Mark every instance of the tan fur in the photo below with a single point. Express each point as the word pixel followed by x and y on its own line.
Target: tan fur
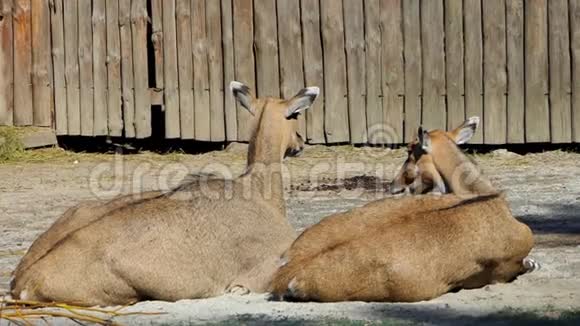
pixel 409 249
pixel 200 240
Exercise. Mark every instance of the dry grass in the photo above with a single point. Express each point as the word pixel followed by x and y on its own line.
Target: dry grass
pixel 20 312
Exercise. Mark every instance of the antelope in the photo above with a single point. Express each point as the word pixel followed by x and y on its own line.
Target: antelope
pixel 413 248
pixel 199 240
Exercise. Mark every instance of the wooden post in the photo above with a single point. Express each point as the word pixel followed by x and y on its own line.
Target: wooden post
pixel 536 46
pixel 58 63
pixel 355 61
pixel 157 39
pixel 185 70
pixel 139 19
pixel 23 109
pixel 575 45
pixel 473 64
pixel 560 69
pixel 454 67
pixel 170 72
pixel 336 118
pixel 515 71
pixel 413 67
pixel 374 89
pixel 216 74
pixel 6 64
pixel 127 67
pixel 86 67
pixel 230 110
pixel 42 64
pixel 495 79
pixel 114 99
pixel 291 64
pixel 71 46
pixel 313 68
pixel 200 71
pixel 266 48
pixel 393 79
pixel 100 67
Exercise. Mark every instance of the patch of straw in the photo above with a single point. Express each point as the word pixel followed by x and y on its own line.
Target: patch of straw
pixel 22 312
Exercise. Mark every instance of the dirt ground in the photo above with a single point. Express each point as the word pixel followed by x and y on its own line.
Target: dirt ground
pixel 543 189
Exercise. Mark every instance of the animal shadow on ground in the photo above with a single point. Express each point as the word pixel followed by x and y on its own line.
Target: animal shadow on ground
pixel 562 219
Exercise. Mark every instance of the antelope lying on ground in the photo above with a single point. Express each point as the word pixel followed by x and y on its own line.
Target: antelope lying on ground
pixel 199 240
pixel 411 248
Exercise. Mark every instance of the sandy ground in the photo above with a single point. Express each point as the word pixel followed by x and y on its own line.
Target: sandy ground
pixel 543 189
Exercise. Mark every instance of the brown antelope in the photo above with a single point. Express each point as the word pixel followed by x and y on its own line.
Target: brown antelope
pixel 198 240
pixel 412 248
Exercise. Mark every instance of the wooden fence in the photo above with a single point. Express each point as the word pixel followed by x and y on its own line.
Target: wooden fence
pixel 96 67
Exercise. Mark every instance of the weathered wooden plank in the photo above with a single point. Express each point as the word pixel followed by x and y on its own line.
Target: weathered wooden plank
pixel 114 97
pixel 230 110
pixel 355 62
pixel 313 68
pixel 560 78
pixel 373 76
pixel 336 119
pixel 100 67
pixel 413 67
pixel 6 64
pixel 71 46
pixel 536 47
pixel 515 70
pixel 58 64
pixel 473 64
pixel 139 19
pixel 243 30
pixel 86 67
pixel 127 83
pixel 266 48
pixel 291 64
pixel 575 51
pixel 23 108
pixel 170 72
pixel 454 67
pixel 185 64
pixel 157 39
pixel 41 64
pixel 432 38
pixel 495 79
pixel 200 71
pixel 393 78
pixel 215 64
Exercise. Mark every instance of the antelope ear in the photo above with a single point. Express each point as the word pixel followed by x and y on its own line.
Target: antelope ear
pixel 464 132
pixel 243 95
pixel 301 101
pixel 424 139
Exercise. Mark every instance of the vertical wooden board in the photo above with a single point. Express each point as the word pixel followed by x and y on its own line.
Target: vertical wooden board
pixel 170 71
pixel 86 67
pixel 560 79
pixel 23 109
pixel 100 67
pixel 114 97
pixel 454 62
pixel 185 68
pixel 373 79
pixel 139 19
pixel 230 111
pixel 393 78
pixel 515 71
pixel 536 47
pixel 432 37
pixel 291 64
pixel 243 28
pixel 58 64
pixel 313 68
pixel 266 48
pixel 473 64
pixel 495 79
pixel 335 82
pixel 71 46
pixel 6 64
pixel 355 61
pixel 127 68
pixel 41 64
pixel 575 51
pixel 215 64
pixel 413 67
pixel 200 71
pixel 157 39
